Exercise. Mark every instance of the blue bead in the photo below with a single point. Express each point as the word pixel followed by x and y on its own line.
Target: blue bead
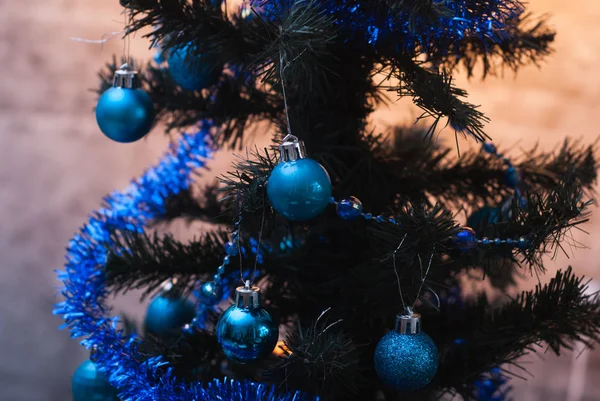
pixel 368 216
pixel 299 190
pixel 221 270
pixel 392 220
pixel 489 147
pixel 89 383
pixel 192 70
pixel 498 241
pixel 231 248
pixel 349 208
pixel 125 115
pixel 522 243
pixel 246 333
pixel 512 177
pixel 380 219
pixel 406 362
pixel 226 260
pixel 211 293
pixel 485 241
pixel 465 239
pixel 167 313
pixel 510 242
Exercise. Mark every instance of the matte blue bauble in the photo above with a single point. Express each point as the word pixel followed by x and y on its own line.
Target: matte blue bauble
pixel 89 384
pixel 299 190
pixel 167 313
pixel 246 332
pixel 406 362
pixel 125 115
pixel 193 71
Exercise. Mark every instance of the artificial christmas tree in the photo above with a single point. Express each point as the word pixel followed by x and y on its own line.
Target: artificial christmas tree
pixel 342 240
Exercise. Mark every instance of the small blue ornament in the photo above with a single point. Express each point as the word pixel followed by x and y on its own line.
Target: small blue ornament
pixel 512 177
pixel 245 330
pixel 490 148
pixel 523 243
pixel 349 208
pixel 167 313
pixel 89 384
pixel 465 239
pixel 124 113
pixel 211 293
pixel 298 188
pixel 406 359
pixel 193 70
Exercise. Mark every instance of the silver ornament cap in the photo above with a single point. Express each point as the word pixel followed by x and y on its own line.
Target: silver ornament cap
pixel 247 296
pixel 408 322
pixel 291 149
pixel 125 77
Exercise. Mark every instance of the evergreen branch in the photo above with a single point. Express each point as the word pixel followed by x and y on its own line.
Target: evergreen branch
pixel 438 97
pixel 207 207
pixel 527 42
pixel 319 359
pixel 557 314
pixel 143 261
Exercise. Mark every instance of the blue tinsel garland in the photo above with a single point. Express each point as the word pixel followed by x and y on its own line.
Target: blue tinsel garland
pixel 84 310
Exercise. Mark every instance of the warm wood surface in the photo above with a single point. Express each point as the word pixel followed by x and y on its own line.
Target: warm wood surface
pixel 55 167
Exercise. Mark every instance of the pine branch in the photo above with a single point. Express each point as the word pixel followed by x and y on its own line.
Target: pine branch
pixel 557 314
pixel 143 261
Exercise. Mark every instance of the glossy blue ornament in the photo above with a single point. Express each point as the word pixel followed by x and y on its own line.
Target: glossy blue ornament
pixel 193 70
pixel 465 239
pixel 406 359
pixel 245 330
pixel 89 384
pixel 298 188
pixel 350 208
pixel 167 313
pixel 124 113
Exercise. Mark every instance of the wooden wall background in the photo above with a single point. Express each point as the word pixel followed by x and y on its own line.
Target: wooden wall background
pixel 55 166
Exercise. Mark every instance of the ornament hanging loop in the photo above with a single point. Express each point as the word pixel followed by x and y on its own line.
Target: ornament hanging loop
pixel 291 149
pixel 408 322
pixel 125 77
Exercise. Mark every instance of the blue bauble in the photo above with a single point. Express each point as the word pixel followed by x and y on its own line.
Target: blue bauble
pixel 124 114
pixel 168 313
pixel 89 384
pixel 300 189
pixel 245 330
pixel 480 219
pixel 191 70
pixel 406 362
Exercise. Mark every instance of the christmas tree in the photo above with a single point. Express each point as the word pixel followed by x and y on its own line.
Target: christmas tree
pixel 337 259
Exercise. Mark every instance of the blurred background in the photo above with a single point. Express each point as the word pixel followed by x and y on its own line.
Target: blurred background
pixel 55 166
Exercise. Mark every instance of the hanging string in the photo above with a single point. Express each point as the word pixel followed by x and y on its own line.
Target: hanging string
pixel 396 271
pixel 423 277
pixel 282 69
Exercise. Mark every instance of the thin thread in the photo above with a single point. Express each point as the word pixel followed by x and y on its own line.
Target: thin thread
pixel 396 271
pixel 285 103
pixel 105 38
pixel 423 277
pixel 260 233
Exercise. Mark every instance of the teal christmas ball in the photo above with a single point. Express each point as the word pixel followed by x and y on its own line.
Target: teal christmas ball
pixel 299 189
pixel 193 70
pixel 167 313
pixel 406 362
pixel 124 114
pixel 89 384
pixel 246 334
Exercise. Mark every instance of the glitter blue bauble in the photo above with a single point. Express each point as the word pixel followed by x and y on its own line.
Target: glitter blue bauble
pixel 192 70
pixel 299 190
pixel 246 333
pixel 406 362
pixel 167 313
pixel 89 384
pixel 125 115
